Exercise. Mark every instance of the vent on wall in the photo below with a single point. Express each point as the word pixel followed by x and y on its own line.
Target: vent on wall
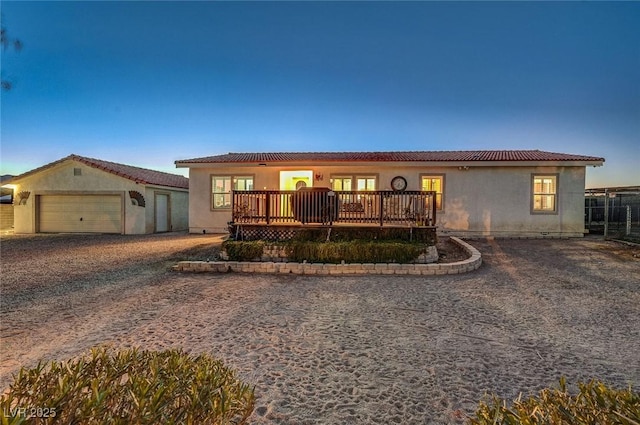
pixel 77 171
pixel 136 198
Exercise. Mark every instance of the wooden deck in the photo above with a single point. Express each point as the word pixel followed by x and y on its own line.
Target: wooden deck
pixel 321 206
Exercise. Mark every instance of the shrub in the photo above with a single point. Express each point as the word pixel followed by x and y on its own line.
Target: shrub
pixel 129 387
pixel 243 251
pixel 594 404
pixel 377 233
pixel 354 252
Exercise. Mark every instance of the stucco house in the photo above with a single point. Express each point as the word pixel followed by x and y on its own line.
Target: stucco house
pixel 505 193
pixel 84 195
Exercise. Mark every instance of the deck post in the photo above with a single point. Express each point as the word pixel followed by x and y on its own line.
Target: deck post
pixel 233 205
pixel 433 208
pixel 267 207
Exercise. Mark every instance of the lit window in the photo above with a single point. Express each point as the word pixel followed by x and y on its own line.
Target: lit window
pixel 346 183
pixel 341 183
pixel 435 184
pixel 243 183
pixel 366 183
pixel 544 193
pixel 221 189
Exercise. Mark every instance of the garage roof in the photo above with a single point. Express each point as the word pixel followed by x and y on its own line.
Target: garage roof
pixel 137 174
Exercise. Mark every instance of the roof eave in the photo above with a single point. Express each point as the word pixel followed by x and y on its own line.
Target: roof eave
pixel 449 163
pixel 167 187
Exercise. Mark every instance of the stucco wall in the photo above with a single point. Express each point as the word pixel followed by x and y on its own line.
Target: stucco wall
pixel 178 208
pixel 478 201
pixel 60 179
pixel 497 202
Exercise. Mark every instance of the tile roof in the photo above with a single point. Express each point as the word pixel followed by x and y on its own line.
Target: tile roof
pixel 414 156
pixel 137 174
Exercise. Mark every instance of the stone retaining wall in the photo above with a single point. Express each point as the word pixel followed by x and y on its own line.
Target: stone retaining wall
pixel 472 263
pixel 278 254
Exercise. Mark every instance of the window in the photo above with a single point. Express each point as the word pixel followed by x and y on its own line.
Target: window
pixel 366 183
pixel 544 193
pixel 341 183
pixel 346 183
pixel 136 198
pixel 221 187
pixel 435 184
pixel 243 183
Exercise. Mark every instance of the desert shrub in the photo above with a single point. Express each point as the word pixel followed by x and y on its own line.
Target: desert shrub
pixel 373 233
pixel 354 252
pixel 243 250
pixel 595 403
pixel 129 387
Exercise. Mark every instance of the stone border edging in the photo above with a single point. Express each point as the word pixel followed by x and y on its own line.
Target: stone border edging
pixel 472 263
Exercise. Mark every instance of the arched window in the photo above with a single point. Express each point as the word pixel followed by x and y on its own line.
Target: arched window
pixel 136 198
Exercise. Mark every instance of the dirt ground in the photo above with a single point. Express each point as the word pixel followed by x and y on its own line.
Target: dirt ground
pixel 343 349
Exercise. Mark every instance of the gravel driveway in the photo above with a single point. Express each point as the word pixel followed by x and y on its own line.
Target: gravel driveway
pixel 335 350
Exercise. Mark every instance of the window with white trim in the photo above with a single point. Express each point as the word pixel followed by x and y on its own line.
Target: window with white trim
pixel 366 183
pixel 544 193
pixel 341 183
pixel 346 183
pixel 221 187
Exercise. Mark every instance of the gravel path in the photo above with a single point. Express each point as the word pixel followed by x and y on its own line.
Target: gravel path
pixel 335 350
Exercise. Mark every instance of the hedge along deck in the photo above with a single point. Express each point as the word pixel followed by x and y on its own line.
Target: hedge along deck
pixel 472 263
pixel 279 252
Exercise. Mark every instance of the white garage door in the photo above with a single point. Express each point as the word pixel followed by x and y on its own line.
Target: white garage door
pixel 80 213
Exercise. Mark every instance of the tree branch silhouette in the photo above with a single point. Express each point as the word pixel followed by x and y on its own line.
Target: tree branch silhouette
pixel 8 43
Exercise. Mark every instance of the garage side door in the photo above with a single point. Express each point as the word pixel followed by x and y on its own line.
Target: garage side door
pixel 162 212
pixel 80 214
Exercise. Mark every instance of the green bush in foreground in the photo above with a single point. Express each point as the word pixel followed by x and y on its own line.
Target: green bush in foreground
pixel 243 250
pixel 357 251
pixel 354 252
pixel 594 404
pixel 129 387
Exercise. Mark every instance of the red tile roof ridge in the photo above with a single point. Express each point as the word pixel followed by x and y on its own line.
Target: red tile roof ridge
pixel 408 156
pixel 137 174
pixel 130 172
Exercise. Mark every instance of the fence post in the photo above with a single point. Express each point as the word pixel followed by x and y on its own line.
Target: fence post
pixel 606 212
pixel 628 232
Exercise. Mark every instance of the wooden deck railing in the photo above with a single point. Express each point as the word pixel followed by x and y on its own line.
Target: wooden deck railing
pixel 320 205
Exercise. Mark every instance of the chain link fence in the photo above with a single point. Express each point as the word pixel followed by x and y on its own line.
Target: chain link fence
pixel 613 213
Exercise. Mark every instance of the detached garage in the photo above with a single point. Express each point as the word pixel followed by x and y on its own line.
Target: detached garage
pixel 85 195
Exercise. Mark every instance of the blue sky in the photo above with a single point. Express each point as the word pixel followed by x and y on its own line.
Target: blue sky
pixel 147 83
